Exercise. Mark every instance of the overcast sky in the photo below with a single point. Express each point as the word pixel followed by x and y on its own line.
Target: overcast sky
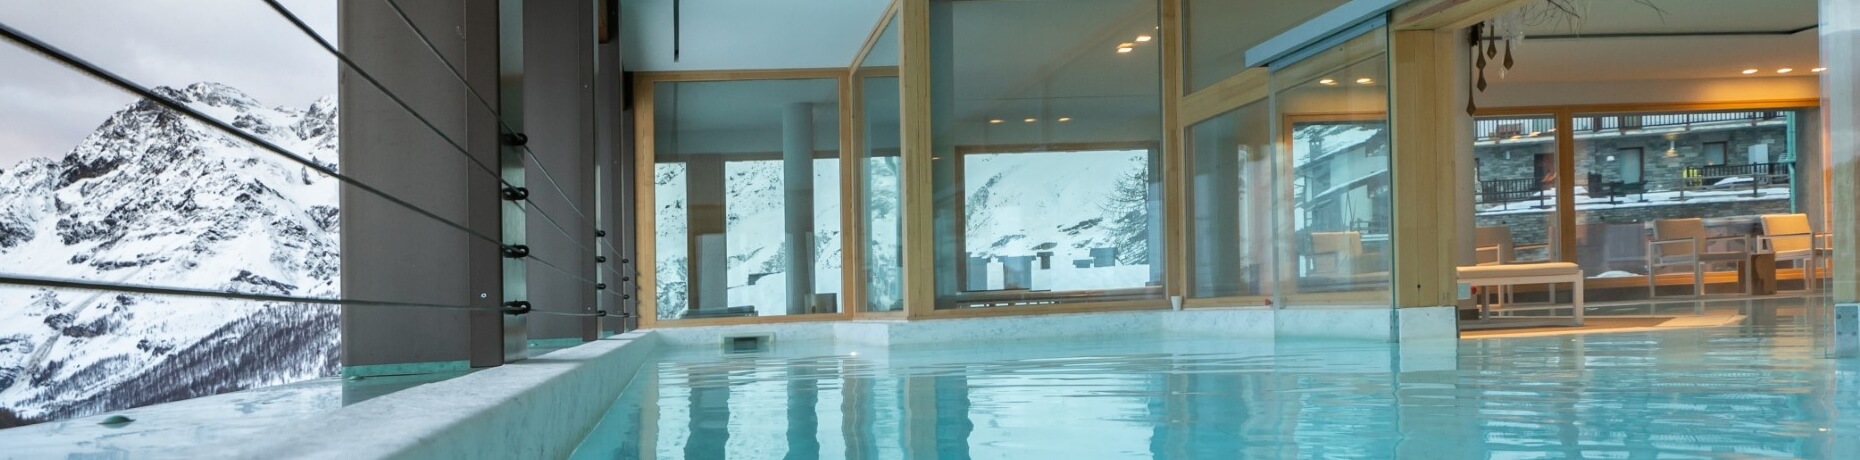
pixel 46 108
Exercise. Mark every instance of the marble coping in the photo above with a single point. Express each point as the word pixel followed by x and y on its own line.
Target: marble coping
pixel 1340 323
pixel 536 408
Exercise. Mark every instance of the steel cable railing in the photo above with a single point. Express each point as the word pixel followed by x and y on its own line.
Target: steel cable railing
pixel 503 126
pixel 95 71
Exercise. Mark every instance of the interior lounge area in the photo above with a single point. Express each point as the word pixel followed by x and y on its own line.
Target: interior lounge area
pixel 1670 152
pixel 1161 156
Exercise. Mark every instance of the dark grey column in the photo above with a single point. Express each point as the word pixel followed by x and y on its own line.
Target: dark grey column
pixel 797 154
pixel 388 252
pixel 558 96
pixel 608 139
pixel 485 260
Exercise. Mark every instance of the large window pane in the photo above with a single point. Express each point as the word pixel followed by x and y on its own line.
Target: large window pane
pixel 1514 194
pixel 1230 203
pixel 1331 111
pixel 1046 162
pixel 882 210
pixel 1644 179
pixel 747 175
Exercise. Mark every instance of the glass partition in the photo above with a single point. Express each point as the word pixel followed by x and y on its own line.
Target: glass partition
pixel 1230 203
pixel 747 197
pixel 1046 154
pixel 1219 32
pixel 881 184
pixel 1668 203
pixel 1514 189
pixel 1330 112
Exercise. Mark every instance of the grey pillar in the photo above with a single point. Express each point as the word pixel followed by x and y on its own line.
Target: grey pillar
pixel 706 252
pixel 797 154
pixel 1216 211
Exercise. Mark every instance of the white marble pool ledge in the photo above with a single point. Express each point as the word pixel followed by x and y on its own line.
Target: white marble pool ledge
pixel 536 408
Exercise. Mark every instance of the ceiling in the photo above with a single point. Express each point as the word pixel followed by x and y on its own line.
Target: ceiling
pixel 745 34
pixel 1593 48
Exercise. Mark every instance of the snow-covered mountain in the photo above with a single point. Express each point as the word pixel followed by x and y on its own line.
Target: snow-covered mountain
pixel 155 198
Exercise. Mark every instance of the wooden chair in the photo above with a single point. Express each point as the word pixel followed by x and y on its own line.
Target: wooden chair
pixel 1493 246
pixel 1791 238
pixel 1683 242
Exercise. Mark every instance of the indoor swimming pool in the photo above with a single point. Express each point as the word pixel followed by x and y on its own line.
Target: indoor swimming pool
pixel 1755 389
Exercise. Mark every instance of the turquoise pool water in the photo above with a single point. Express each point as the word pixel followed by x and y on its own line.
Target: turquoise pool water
pixel 1758 389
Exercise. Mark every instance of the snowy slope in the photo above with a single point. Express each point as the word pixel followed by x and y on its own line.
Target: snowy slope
pixel 154 198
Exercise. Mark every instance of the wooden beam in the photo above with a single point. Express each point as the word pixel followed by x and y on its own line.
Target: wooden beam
pixel 1421 172
pixel 1764 104
pixel 871 39
pixel 919 257
pixel 1174 162
pixel 645 229
pixel 1228 94
pixel 852 198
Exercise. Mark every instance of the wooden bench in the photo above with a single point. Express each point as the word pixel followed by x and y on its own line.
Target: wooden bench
pixel 1516 274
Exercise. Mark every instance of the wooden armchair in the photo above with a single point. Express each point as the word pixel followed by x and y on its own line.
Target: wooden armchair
pixel 1791 238
pixel 1683 242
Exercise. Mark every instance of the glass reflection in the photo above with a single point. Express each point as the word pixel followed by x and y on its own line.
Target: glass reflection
pixel 1046 153
pixel 1331 111
pixel 748 194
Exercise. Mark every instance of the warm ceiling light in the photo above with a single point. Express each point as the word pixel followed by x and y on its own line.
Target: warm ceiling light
pixel 1125 47
pixel 1784 70
pixel 1143 38
pixel 1817 69
pixel 1749 71
pixel 1535 133
pixel 995 121
pixel 1364 81
pixel 1031 120
pixel 1327 81
pixel 1064 119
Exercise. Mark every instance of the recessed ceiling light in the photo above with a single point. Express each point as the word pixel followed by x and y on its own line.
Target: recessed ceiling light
pixel 1123 49
pixel 1364 81
pixel 1031 120
pixel 1784 70
pixel 1749 71
pixel 1064 119
pixel 1535 133
pixel 995 121
pixel 1327 81
pixel 1143 38
pixel 1818 69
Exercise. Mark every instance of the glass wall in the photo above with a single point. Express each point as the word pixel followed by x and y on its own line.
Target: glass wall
pixel 881 183
pixel 1646 180
pixel 1330 111
pixel 1220 31
pixel 1046 152
pixel 1230 203
pixel 1514 189
pixel 747 197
